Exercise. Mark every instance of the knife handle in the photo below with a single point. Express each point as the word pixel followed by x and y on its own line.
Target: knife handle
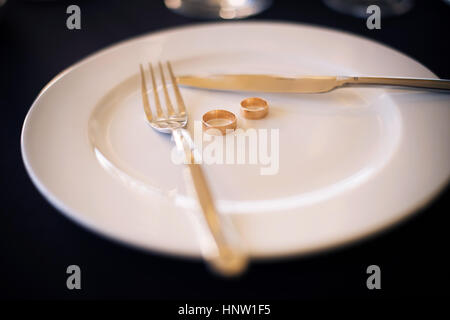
pixel 442 84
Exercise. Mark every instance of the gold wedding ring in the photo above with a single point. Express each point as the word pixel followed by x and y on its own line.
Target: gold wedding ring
pixel 221 120
pixel 254 108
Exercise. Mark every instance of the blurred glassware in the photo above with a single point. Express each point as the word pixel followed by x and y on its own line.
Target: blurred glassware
pixel 2 9
pixel 358 8
pixel 218 9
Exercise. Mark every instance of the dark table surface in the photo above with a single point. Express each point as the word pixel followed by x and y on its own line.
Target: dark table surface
pixel 37 243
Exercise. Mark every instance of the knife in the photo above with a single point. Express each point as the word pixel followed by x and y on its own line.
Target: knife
pixel 306 84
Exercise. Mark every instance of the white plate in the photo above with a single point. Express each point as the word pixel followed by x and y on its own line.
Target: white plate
pixel 352 162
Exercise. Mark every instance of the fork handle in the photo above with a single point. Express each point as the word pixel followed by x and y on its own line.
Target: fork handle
pixel 406 82
pixel 225 254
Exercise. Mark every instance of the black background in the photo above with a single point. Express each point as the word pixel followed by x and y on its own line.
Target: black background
pixel 37 243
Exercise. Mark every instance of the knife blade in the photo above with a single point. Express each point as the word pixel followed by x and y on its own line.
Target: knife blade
pixel 306 84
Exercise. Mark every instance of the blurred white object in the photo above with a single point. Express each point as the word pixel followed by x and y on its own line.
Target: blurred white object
pixel 352 161
pixel 222 9
pixel 358 8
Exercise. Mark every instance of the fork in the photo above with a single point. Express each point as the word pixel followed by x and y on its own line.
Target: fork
pixel 223 250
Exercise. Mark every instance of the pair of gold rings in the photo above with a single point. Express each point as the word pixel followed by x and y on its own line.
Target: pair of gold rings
pixel 223 120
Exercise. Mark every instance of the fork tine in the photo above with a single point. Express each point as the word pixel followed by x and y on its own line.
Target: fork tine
pixel 148 111
pixel 180 102
pixel 159 111
pixel 169 106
